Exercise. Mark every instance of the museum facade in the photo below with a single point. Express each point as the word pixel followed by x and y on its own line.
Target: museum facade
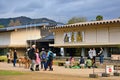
pixel 76 39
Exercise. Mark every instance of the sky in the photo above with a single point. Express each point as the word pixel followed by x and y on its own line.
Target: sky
pixel 60 10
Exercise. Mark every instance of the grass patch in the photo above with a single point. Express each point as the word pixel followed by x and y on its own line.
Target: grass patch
pixel 6 72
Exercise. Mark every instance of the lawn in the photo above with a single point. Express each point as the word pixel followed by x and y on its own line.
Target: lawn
pixel 6 72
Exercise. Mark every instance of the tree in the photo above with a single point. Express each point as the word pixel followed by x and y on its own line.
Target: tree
pixel 1 26
pixel 99 17
pixel 11 23
pixel 77 19
pixel 14 23
pixel 17 23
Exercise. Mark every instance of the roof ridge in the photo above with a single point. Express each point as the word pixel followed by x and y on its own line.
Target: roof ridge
pixel 89 23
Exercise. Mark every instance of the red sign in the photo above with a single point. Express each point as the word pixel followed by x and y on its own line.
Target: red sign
pixel 110 70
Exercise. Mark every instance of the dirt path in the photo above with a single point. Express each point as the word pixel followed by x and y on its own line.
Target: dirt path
pixel 59 73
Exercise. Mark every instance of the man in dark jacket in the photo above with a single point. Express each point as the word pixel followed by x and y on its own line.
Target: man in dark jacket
pixel 32 56
pixel 14 58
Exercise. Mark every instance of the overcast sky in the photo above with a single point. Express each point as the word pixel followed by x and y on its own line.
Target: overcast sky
pixel 60 10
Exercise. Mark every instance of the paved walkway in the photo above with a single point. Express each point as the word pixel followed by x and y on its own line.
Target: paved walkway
pixel 57 70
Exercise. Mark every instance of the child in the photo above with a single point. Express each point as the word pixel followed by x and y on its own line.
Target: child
pixel 72 61
pixel 82 62
pixel 37 60
pixel 89 62
pixel 67 63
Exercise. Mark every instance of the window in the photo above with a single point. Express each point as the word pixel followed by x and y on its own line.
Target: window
pixel 114 50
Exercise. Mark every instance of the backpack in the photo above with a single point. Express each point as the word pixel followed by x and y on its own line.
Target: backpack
pixel 29 54
pixel 51 56
pixel 43 56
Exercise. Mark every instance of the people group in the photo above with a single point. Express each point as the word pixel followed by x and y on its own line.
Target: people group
pixel 92 54
pixel 12 58
pixel 89 62
pixel 43 58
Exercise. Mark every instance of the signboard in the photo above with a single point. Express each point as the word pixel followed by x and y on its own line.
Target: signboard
pixel 74 36
pixel 110 69
pixel 115 57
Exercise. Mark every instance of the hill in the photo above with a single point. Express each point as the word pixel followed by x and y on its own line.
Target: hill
pixel 26 20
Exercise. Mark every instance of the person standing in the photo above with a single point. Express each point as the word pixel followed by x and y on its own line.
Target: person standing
pixel 50 60
pixel 8 57
pixel 14 58
pixel 90 54
pixel 101 56
pixel 37 60
pixel 32 56
pixel 94 56
pixel 43 56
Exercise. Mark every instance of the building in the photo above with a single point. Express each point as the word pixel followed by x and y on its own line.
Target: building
pixel 45 41
pixel 76 39
pixel 16 37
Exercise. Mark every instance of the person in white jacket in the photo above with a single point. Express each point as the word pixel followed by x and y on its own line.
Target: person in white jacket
pixel 90 54
pixel 94 55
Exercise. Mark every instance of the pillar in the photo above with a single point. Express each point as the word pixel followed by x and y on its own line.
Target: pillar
pixel 105 52
pixel 83 52
pixel 62 51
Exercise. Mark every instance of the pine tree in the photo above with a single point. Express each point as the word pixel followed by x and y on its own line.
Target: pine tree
pixel 99 17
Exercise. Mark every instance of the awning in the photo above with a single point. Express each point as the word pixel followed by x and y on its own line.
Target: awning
pixel 49 38
pixel 86 45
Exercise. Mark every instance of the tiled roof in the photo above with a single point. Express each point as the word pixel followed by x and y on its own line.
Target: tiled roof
pixel 88 23
pixel 22 27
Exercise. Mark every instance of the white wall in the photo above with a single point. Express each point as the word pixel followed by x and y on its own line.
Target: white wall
pixel 19 37
pixel 4 38
pixel 102 35
pixel 95 35
pixel 114 34
pixel 59 37
pixel 90 35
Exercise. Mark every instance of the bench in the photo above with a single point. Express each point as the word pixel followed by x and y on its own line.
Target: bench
pixel 2 60
pixel 116 67
pixel 115 57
